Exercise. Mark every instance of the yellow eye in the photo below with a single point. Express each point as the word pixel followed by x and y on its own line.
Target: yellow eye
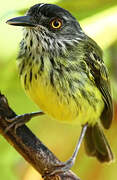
pixel 56 23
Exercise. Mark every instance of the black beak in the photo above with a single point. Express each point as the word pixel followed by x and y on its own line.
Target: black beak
pixel 22 21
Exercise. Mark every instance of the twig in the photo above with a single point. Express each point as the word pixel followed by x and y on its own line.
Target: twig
pixel 31 148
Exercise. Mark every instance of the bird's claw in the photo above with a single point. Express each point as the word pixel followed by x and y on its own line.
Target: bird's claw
pixel 59 168
pixel 17 121
pixel 20 120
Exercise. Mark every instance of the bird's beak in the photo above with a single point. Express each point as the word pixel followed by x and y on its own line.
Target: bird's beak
pixel 22 21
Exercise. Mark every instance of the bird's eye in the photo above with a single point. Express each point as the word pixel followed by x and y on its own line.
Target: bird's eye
pixel 56 23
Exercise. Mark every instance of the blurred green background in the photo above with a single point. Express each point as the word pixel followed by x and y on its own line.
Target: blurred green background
pixel 99 20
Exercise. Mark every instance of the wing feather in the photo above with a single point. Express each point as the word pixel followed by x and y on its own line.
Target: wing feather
pixel 94 60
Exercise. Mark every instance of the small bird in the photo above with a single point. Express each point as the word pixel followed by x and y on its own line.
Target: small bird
pixel 63 71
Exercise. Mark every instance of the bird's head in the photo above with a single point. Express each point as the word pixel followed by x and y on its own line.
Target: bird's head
pixel 48 23
pixel 49 18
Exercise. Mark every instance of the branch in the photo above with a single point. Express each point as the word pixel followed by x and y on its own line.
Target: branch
pixel 31 148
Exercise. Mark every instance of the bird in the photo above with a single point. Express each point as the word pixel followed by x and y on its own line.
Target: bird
pixel 62 70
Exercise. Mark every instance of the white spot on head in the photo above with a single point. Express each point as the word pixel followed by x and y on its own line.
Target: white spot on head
pixel 42 4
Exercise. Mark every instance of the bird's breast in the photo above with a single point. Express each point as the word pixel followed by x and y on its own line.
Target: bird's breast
pixel 48 96
pixel 67 97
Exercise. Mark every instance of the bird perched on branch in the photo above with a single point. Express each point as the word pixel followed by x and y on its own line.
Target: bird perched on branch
pixel 62 70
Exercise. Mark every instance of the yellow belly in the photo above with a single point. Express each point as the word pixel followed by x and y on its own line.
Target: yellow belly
pixel 59 106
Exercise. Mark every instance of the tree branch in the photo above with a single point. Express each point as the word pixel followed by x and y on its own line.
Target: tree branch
pixel 29 146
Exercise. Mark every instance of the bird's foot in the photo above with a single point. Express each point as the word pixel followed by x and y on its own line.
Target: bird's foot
pixel 59 168
pixel 20 120
pixel 63 167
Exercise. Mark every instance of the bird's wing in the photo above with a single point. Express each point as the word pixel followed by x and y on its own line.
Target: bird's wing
pixel 99 71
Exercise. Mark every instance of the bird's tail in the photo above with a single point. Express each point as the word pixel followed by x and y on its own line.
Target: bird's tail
pixel 97 145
